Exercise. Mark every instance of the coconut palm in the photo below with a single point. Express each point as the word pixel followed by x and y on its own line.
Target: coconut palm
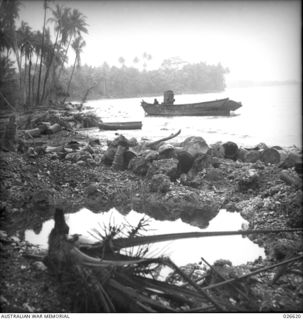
pixel 45 6
pixel 78 44
pixel 75 24
pixel 24 38
pixel 59 18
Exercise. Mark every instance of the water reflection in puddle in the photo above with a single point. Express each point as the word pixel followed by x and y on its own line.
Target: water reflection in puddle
pixel 234 248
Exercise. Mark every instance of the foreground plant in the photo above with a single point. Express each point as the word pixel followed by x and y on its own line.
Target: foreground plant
pixel 100 277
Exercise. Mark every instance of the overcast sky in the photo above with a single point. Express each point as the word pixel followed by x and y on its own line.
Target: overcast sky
pixel 256 40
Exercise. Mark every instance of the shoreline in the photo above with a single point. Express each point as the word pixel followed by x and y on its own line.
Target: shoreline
pixel 35 182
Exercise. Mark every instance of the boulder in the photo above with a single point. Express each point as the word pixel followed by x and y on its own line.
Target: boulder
pixel 230 150
pixel 127 157
pixel 201 162
pixel 168 167
pixel 291 160
pixel 195 145
pixel 139 165
pixel 167 151
pixel 151 155
pixel 216 150
pixel 192 206
pixel 186 161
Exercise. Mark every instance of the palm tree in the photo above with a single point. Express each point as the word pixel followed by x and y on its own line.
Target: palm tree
pixel 121 61
pixel 42 52
pixel 24 36
pixel 78 44
pixel 36 42
pixel 60 15
pixel 75 24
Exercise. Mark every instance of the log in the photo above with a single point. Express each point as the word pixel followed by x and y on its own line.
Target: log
pixel 32 133
pixel 249 155
pixel 118 162
pixel 270 155
pixel 54 128
pixel 50 149
pixel 154 144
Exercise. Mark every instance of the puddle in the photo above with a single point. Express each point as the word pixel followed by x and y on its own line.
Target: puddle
pixel 235 248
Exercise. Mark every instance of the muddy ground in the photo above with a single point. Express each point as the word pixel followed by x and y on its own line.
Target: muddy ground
pixel 32 184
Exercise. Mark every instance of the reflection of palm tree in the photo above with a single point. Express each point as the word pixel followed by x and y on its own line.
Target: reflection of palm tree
pixel 78 44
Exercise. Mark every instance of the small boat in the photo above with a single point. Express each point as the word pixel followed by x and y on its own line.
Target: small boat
pixel 129 125
pixel 220 107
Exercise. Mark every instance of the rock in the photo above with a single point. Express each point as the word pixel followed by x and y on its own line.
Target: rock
pixel 167 151
pixel 40 266
pixel 249 181
pixel 261 146
pixel 139 165
pixel 195 145
pixel 94 142
pixel 290 178
pixel 3 234
pixel 291 161
pixel 109 155
pixel 127 157
pixel 230 150
pixel 168 167
pixel 160 183
pixel 252 156
pixel 299 168
pixel 214 174
pixel 201 162
pixel 192 206
pixel 186 161
pixel 42 199
pixel 15 239
pixel 88 149
pixel 217 150
pixel 151 155
pixel 91 189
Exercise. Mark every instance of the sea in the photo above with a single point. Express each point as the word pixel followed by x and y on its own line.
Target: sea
pixel 269 114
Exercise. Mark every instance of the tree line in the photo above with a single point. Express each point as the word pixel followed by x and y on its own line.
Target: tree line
pixel 110 82
pixel 33 64
pixel 40 56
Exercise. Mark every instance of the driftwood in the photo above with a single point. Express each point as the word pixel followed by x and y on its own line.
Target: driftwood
pixel 54 128
pixel 154 144
pixel 43 128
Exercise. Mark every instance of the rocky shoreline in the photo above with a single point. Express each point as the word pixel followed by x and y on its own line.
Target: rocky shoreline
pixel 191 181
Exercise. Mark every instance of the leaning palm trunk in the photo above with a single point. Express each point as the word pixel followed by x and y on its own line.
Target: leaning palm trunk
pixel 101 279
pixel 120 243
pixel 71 76
pixel 110 282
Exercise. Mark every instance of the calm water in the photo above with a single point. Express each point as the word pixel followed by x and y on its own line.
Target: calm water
pixel 235 248
pixel 269 114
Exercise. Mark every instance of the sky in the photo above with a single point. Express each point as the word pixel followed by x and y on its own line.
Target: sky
pixel 255 40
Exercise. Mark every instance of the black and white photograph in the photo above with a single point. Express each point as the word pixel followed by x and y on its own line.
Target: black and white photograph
pixel 151 158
